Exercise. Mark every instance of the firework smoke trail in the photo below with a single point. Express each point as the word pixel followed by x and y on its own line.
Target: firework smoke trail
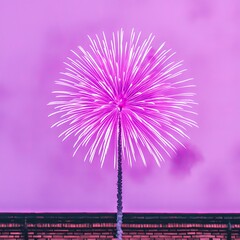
pixel 124 86
pixel 119 182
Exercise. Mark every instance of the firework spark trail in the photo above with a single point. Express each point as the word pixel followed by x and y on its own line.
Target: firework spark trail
pixel 156 103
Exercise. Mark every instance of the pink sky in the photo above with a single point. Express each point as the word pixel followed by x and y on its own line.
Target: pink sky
pixel 37 171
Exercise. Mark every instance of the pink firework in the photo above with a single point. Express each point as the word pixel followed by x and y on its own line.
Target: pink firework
pixel 127 80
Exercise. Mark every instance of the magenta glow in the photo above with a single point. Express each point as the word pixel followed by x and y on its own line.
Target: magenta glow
pixel 124 77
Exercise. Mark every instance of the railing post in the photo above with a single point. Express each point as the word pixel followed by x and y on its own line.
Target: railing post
pixel 25 229
pixel 229 231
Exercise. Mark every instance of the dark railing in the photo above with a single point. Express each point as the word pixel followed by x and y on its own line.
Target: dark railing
pixel 146 218
pixel 25 222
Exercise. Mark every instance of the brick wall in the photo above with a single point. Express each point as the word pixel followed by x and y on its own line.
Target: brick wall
pixel 136 226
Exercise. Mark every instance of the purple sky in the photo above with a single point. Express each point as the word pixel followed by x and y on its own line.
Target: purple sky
pixel 37 171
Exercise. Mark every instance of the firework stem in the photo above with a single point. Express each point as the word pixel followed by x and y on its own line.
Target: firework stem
pixel 119 183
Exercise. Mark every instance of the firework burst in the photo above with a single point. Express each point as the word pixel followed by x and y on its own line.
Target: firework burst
pixel 128 80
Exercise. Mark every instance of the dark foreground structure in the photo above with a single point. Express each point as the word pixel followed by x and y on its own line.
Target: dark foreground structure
pixel 52 226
